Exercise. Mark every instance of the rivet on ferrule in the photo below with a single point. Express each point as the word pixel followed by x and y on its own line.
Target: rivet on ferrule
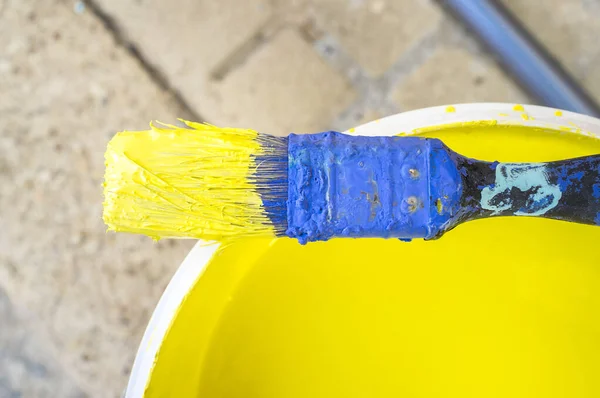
pixel 412 204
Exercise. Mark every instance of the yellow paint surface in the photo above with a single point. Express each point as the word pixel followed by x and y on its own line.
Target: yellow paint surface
pixel 504 307
pixel 480 124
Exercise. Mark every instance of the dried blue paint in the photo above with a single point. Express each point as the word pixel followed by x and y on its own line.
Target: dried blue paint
pixel 347 186
pixel 596 191
pixel 532 178
pixel 408 187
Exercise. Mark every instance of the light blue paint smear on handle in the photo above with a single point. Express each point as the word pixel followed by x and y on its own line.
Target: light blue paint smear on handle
pixel 530 177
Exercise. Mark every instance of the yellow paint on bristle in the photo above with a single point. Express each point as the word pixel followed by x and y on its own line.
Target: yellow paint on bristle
pixel 193 182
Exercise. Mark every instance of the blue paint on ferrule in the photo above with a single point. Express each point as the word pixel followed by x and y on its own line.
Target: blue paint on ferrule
pixel 446 187
pixel 357 186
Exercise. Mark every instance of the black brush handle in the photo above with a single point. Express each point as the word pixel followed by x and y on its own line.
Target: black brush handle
pixel 564 190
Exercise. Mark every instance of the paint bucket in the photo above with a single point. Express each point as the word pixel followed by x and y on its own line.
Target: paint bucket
pixel 498 307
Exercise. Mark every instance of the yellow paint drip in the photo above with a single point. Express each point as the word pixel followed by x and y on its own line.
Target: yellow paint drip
pixel 501 307
pixel 183 182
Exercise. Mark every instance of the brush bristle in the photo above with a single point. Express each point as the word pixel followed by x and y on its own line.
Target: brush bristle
pixel 200 182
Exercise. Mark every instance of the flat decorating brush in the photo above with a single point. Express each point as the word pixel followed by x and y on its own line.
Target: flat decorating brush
pixel 218 183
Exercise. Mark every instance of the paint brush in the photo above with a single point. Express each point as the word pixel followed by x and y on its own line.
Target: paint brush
pixel 202 181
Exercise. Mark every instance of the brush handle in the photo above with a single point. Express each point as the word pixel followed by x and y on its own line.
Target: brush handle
pixel 564 190
pixel 410 187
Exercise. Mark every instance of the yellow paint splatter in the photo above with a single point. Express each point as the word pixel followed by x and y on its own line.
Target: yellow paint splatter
pixel 558 113
pixel 352 130
pixel 450 109
pixel 518 108
pixel 439 206
pixel 525 116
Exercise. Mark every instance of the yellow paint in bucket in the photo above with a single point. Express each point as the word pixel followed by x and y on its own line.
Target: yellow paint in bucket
pixel 504 307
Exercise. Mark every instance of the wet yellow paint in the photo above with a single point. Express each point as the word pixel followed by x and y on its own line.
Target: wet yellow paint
pixel 558 113
pixel 172 181
pixel 518 108
pixel 457 125
pixel 504 307
pixel 450 109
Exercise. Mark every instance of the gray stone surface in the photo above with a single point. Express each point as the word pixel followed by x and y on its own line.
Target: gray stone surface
pixel 27 368
pixel 264 73
pixel 460 77
pixel 569 30
pixel 375 32
pixel 194 43
pixel 66 87
pixel 279 93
